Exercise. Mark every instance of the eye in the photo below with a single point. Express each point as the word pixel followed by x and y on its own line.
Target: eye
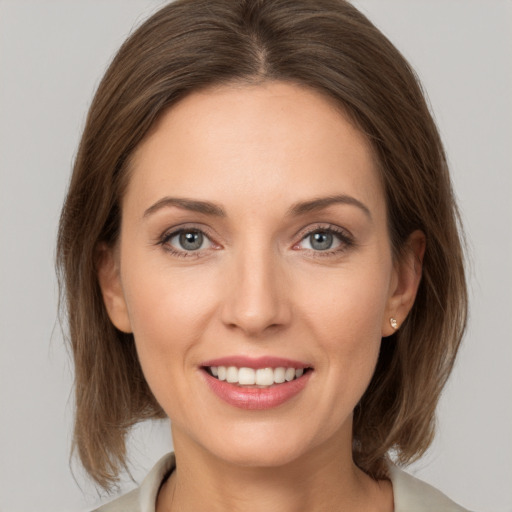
pixel 320 241
pixel 327 240
pixel 187 240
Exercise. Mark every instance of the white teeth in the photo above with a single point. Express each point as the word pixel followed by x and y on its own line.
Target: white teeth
pixel 264 377
pixel 232 374
pixel 279 375
pixel 247 376
pixel 289 374
pixel 261 377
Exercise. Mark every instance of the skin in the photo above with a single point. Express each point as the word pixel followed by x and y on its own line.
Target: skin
pixel 258 287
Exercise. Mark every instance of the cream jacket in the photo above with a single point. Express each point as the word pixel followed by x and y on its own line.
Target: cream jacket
pixel 410 494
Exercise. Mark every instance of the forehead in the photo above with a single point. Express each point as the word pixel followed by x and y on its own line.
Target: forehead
pixel 272 141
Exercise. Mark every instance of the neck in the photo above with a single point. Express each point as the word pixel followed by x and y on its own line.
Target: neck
pixel 313 482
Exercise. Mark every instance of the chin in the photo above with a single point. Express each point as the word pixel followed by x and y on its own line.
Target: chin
pixel 260 447
pixel 260 457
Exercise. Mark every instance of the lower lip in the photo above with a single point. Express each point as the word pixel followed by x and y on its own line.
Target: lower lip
pixel 256 398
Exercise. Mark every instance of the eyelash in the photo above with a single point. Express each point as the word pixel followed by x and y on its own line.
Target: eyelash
pixel 168 236
pixel 345 238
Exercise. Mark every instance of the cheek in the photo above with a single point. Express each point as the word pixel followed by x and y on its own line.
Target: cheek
pixel 168 308
pixel 345 316
pixel 168 314
pixel 160 309
pixel 348 331
pixel 350 303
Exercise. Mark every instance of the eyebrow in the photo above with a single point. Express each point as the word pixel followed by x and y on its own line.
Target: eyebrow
pixel 300 208
pixel 324 202
pixel 193 205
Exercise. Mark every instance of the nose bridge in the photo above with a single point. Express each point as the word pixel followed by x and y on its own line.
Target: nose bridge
pixel 256 298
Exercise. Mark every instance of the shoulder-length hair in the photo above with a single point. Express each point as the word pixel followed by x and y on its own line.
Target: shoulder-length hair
pixel 326 45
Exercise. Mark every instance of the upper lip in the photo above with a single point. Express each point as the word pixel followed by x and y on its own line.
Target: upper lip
pixel 256 362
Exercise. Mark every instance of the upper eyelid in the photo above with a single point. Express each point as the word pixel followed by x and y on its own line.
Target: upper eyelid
pixel 338 230
pixel 180 228
pixel 172 234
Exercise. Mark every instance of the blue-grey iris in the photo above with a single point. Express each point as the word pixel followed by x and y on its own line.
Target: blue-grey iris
pixel 321 240
pixel 191 240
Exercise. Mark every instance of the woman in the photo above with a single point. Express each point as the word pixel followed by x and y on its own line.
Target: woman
pixel 260 242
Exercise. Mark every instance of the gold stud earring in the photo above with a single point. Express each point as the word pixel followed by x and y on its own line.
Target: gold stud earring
pixel 393 323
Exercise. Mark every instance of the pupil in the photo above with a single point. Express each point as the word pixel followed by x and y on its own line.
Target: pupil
pixel 191 240
pixel 321 241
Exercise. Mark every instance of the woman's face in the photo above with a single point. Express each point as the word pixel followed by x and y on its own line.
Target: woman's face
pixel 254 236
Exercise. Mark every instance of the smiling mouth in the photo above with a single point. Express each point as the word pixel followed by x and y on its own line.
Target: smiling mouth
pixel 259 377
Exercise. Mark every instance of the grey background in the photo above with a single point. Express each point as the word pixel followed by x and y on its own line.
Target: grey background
pixel 52 55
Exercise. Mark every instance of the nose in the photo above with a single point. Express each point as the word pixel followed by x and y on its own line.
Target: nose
pixel 256 297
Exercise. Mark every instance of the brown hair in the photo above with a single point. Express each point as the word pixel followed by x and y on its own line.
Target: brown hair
pixel 323 44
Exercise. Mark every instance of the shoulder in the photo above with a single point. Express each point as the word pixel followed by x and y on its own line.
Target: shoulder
pixel 143 498
pixel 127 503
pixel 412 494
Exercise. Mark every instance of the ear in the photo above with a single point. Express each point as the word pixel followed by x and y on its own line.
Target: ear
pixel 405 282
pixel 110 283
